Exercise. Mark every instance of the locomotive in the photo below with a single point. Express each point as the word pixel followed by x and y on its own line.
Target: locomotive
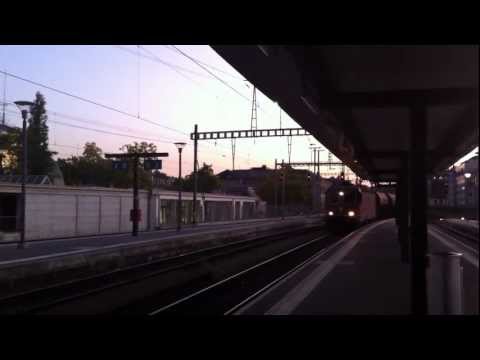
pixel 348 204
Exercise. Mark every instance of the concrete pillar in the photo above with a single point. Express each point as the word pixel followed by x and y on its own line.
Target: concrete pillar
pixel 402 212
pixel 233 209
pixel 418 192
pixel 241 210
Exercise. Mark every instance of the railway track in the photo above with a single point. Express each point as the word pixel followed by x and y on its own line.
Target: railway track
pixel 71 295
pixel 469 237
pixel 226 296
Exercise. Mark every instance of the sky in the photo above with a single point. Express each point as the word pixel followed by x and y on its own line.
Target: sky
pixel 159 85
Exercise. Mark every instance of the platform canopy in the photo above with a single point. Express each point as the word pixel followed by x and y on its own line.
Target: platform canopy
pixel 356 100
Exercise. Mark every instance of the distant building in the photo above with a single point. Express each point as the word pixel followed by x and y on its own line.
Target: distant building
pixel 456 187
pixel 243 182
pixel 438 189
pixel 247 182
pixel 467 183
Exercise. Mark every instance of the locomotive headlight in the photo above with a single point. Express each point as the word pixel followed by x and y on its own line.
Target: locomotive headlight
pixel 341 193
pixel 330 213
pixel 351 213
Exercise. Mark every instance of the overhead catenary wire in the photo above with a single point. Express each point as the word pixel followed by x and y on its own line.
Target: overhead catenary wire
pixel 74 118
pixel 213 74
pixel 103 131
pixel 174 68
pixel 96 123
pixel 109 132
pixel 91 102
pixel 171 48
pixel 156 59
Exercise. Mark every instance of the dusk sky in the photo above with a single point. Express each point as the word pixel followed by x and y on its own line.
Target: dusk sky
pixel 177 99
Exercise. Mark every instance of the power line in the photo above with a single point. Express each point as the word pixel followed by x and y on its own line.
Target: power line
pixel 93 122
pixel 103 131
pixel 108 132
pixel 154 58
pixel 214 75
pixel 204 63
pixel 74 118
pixel 92 102
pixel 170 66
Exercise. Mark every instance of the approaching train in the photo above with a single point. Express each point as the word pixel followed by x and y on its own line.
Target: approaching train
pixel 348 204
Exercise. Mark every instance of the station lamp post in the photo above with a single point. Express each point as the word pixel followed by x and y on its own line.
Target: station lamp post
pixel 24 107
pixel 180 146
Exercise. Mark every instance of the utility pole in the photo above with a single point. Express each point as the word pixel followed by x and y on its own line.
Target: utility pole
pixel 24 107
pixel 180 146
pixel 195 175
pixel 135 213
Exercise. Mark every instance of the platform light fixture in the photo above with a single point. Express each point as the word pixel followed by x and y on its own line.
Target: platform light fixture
pixel 341 193
pixel 467 175
pixel 351 213
pixel 179 146
pixel 330 213
pixel 24 107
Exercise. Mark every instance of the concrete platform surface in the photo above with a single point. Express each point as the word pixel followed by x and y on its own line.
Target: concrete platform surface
pixel 361 275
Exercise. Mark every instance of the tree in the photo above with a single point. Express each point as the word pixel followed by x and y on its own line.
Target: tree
pixel 142 147
pixel 40 161
pixel 297 188
pixel 92 153
pixel 93 169
pixel 144 177
pixel 206 180
pixel 11 143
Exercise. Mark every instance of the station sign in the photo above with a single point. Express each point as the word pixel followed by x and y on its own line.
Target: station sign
pixel 120 165
pixel 149 164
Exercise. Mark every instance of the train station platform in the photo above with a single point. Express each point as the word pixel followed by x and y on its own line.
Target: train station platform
pixel 50 261
pixel 360 275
